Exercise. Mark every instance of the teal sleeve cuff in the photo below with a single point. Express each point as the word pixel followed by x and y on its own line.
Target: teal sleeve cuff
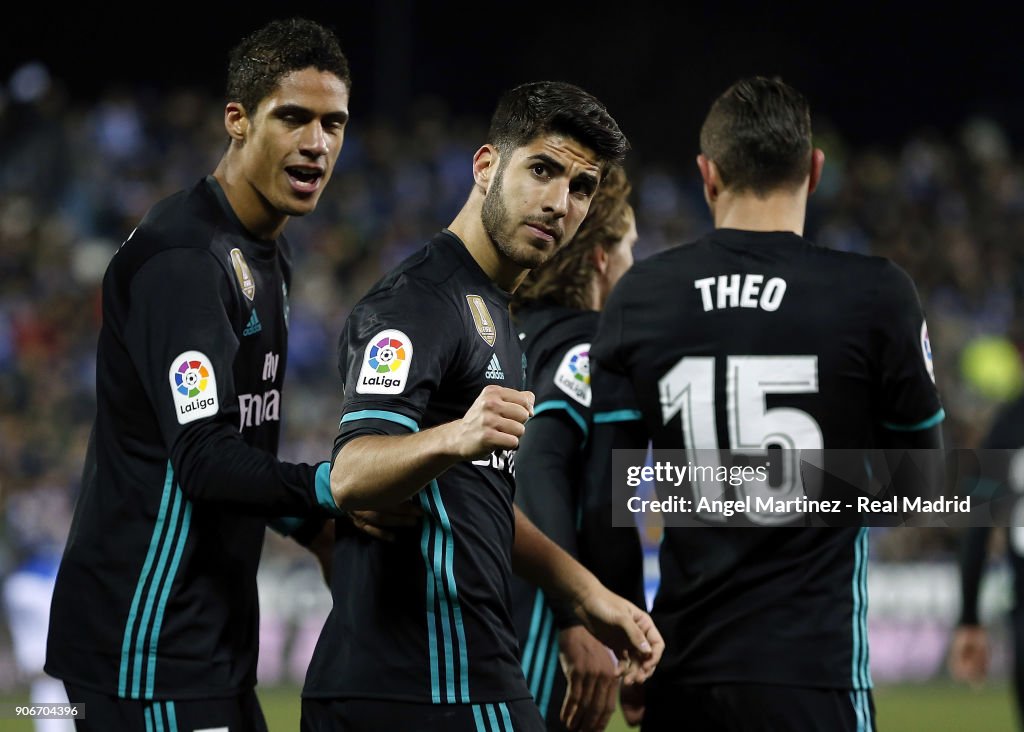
pixel 323 490
pixel 925 424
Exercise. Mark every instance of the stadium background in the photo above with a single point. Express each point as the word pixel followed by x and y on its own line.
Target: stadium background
pixel 920 115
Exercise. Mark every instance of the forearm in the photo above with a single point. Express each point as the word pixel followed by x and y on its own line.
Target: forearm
pixel 542 562
pixel 613 553
pixel 212 464
pixel 547 472
pixel 380 471
pixel 972 567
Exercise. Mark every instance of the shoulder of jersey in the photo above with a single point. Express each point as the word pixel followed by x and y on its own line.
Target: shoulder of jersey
pixel 423 267
pixel 173 223
pixel 564 328
pixel 663 264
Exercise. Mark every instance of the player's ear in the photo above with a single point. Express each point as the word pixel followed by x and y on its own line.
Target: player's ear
pixel 236 121
pixel 485 166
pixel 709 174
pixel 599 256
pixel 817 164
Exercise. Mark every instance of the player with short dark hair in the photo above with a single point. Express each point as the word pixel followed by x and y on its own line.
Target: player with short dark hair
pixel 420 635
pixel 748 338
pixel 155 615
pixel 556 310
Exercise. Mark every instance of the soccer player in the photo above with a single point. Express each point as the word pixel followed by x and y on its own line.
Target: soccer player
pixel 969 651
pixel 556 310
pixel 420 636
pixel 752 337
pixel 154 623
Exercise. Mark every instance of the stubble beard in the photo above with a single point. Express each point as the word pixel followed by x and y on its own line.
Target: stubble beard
pixel 501 230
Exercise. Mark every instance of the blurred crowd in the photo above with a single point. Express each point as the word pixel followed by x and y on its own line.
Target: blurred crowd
pixel 75 178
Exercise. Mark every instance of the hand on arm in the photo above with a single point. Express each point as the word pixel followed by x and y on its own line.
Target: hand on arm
pixel 592 674
pixel 619 624
pixel 381 471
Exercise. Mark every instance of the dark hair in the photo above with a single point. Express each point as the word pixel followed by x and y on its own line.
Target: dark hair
pixel 261 59
pixel 555 107
pixel 565 278
pixel 758 133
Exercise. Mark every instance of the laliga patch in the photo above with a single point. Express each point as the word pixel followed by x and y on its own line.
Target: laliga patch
pixel 243 274
pixel 193 386
pixel 386 361
pixel 926 349
pixel 573 374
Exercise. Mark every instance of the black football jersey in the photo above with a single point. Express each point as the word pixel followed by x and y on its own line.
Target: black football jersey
pixel 156 593
pixel 744 341
pixel 557 345
pixel 550 490
pixel 426 618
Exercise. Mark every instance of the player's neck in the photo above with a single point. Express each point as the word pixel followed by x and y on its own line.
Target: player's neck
pixel 778 211
pixel 254 212
pixel 469 227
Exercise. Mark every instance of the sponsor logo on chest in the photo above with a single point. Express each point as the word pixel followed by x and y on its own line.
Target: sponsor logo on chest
pixel 256 408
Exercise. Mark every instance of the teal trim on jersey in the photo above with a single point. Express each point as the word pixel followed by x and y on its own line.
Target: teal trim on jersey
pixel 158 718
pixel 151 593
pixel 493 717
pixel 860 674
pixel 286 525
pixel 862 709
pixel 922 425
pixel 453 592
pixel 441 548
pixel 154 635
pixel 149 719
pixel 866 666
pixel 568 409
pixel 536 673
pixel 858 713
pixel 431 582
pixel 381 414
pixel 531 637
pixel 549 676
pixel 479 719
pixel 172 717
pixel 619 415
pixel 506 720
pixel 322 485
pixel 147 565
pixel 855 613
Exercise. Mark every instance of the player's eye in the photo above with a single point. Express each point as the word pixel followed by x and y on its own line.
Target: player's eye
pixel 540 170
pixel 583 187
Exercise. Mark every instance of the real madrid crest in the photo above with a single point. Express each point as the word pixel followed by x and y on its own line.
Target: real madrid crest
pixel 482 318
pixel 243 273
